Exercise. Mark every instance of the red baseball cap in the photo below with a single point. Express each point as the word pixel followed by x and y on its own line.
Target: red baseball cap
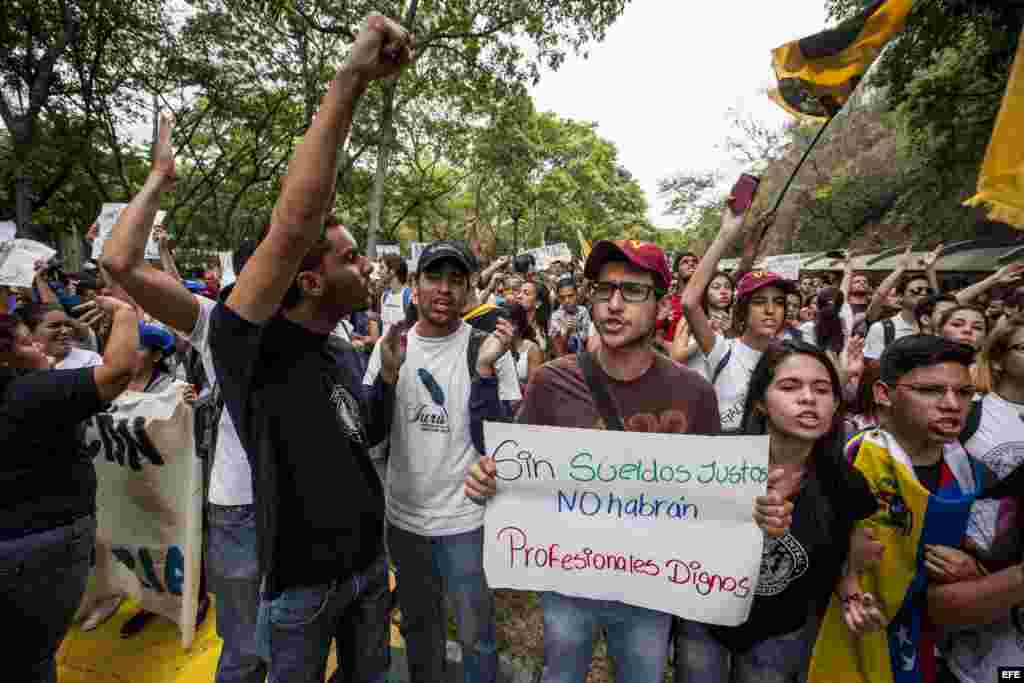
pixel 758 279
pixel 643 255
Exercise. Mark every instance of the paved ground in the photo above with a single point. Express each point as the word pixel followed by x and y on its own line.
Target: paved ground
pixel 155 655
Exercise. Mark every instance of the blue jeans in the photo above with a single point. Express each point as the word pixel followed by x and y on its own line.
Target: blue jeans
pixel 42 581
pixel 296 628
pixel 637 639
pixel 234 576
pixel 431 568
pixel 700 657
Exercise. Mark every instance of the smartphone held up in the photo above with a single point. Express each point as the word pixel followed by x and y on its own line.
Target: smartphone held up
pixel 743 193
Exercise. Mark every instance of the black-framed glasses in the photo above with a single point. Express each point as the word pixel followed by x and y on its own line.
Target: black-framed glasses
pixel 1019 348
pixel 918 291
pixel 633 292
pixel 935 392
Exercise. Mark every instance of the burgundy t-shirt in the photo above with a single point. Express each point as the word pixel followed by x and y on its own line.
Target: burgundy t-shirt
pixel 668 399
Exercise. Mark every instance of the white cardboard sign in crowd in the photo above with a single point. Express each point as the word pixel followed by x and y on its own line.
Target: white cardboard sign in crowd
pixel 105 225
pixel 149 505
pixel 662 521
pixel 786 265
pixel 385 249
pixel 545 255
pixel 18 261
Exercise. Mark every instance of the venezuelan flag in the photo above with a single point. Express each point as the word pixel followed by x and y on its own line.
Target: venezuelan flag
pixel 908 518
pixel 1001 183
pixel 818 74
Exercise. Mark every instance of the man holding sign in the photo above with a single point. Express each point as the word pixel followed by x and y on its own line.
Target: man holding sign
pixel 625 386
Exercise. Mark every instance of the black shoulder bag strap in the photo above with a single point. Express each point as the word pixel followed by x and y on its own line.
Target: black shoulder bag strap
pixel 599 390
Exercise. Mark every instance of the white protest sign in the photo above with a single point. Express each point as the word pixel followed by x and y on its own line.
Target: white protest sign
pixel 385 249
pixel 8 229
pixel 149 504
pixel 415 249
pixel 18 261
pixel 787 266
pixel 227 268
pixel 662 521
pixel 105 225
pixel 551 252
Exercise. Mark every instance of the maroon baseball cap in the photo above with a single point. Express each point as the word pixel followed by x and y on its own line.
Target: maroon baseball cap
pixel 758 279
pixel 643 255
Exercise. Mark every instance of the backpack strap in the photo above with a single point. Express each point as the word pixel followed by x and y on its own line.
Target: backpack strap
pixel 599 390
pixel 721 365
pixel 889 328
pixel 476 340
pixel 972 423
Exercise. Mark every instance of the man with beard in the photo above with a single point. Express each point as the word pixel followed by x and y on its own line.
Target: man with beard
pixel 448 378
pixel 650 393
pixel 319 502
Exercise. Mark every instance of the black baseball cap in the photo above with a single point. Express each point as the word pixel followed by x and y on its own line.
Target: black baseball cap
pixel 447 249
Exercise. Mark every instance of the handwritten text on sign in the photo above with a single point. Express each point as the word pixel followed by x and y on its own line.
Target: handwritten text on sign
pixel 661 521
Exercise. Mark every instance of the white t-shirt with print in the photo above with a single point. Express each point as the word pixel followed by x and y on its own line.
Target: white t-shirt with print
pixel 875 343
pixel 976 652
pixel 733 381
pixel 392 308
pixel 79 358
pixel 431 449
pixel 231 475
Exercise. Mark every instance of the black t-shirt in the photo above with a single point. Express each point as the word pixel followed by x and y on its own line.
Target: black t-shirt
pixel 46 480
pixel 800 569
pixel 320 505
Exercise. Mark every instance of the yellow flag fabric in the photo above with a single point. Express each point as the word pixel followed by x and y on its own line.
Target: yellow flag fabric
pixel 1001 183
pixel 818 74
pixel 584 245
pixel 908 518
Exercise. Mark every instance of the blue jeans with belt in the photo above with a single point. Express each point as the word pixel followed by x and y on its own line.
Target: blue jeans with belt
pixel 781 659
pixel 232 567
pixel 431 568
pixel 42 581
pixel 295 629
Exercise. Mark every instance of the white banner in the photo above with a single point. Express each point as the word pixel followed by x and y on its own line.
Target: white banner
pixel 415 249
pixel 8 229
pixel 149 506
pixel 18 261
pixel 227 268
pixel 552 252
pixel 385 249
pixel 106 221
pixel 786 265
pixel 662 521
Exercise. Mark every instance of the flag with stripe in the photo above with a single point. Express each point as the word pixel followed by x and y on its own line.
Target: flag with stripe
pixel 818 74
pixel 1001 183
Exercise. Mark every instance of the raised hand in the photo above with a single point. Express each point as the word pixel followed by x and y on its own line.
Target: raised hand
pixel 160 235
pixel 932 257
pixel 732 225
pixel 481 480
pixel 93 313
pixel 494 347
pixel 1011 274
pixel 163 155
pixel 382 49
pixel 906 261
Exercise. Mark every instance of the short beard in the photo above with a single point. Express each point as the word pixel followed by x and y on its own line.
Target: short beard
pixel 640 340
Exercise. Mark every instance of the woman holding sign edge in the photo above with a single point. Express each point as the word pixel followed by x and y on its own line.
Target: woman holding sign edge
pixel 795 396
pixel 47 485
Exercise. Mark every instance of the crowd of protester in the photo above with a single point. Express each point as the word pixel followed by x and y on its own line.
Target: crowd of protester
pixel 344 408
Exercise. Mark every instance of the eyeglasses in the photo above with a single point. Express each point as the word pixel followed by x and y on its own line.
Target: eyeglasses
pixel 633 292
pixel 935 392
pixel 918 291
pixel 1019 348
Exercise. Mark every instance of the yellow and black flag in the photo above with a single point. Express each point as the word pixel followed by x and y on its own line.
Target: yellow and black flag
pixel 1001 182
pixel 818 74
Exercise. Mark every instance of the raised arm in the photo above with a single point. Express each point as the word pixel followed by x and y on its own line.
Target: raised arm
pixel 874 311
pixel 1007 275
pixel 752 243
pixel 119 357
pixel 166 257
pixel 929 262
pixel 844 286
pixel 700 326
pixel 381 49
pixel 158 293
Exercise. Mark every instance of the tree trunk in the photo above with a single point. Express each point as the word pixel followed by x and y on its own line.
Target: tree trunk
pixel 387 138
pixel 23 208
